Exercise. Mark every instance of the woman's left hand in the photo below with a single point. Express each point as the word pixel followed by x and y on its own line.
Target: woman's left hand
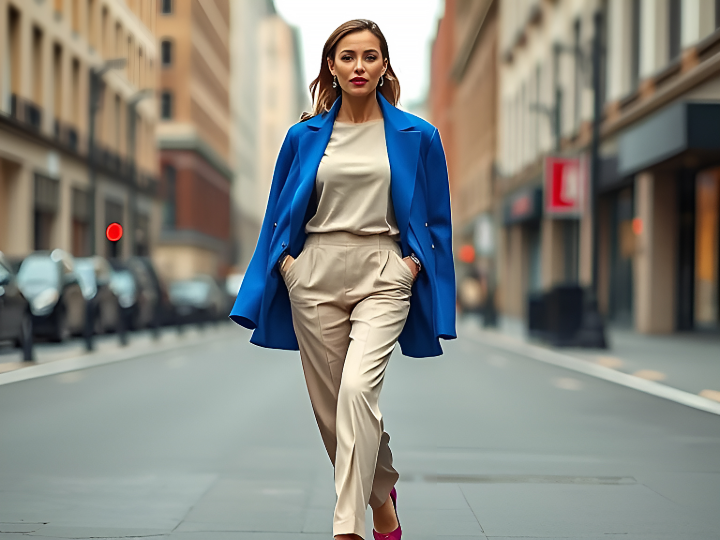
pixel 412 266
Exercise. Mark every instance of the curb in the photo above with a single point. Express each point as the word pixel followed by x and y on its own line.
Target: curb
pixel 100 359
pixel 600 372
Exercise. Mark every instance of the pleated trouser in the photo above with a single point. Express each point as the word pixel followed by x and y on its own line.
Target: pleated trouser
pixel 350 297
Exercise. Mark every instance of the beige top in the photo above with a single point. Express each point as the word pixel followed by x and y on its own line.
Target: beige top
pixel 353 182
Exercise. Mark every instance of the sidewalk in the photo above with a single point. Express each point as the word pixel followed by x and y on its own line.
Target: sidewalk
pixel 685 361
pixel 51 358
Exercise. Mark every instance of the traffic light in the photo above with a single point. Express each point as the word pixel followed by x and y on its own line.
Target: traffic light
pixel 113 233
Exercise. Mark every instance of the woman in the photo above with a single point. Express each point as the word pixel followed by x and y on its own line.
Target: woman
pixel 357 221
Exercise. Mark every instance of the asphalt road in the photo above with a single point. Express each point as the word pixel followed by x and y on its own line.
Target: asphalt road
pixel 218 442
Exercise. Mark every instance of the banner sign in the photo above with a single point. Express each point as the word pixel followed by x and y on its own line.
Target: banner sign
pixel 565 181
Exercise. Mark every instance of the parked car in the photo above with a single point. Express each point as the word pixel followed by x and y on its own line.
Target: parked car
pixel 48 281
pixel 95 275
pixel 136 296
pixel 15 317
pixel 199 299
pixel 144 269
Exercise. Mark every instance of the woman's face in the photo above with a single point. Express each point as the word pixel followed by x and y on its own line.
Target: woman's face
pixel 358 63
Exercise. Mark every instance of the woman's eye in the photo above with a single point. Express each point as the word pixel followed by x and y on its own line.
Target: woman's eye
pixel 346 57
pixel 371 57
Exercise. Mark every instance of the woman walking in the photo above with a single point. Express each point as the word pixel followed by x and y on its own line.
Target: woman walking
pixel 357 222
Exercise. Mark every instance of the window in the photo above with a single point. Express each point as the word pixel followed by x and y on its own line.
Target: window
pixel 675 12
pixel 166 105
pixel 37 67
pixel 717 13
pixel 635 44
pixel 166 7
pixel 166 52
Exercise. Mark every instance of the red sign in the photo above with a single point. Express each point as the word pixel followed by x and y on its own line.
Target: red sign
pixel 565 180
pixel 114 232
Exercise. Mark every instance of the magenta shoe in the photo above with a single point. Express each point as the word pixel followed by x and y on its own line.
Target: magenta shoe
pixel 397 533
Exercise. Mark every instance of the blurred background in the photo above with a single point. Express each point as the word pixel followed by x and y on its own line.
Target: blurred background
pixel 582 139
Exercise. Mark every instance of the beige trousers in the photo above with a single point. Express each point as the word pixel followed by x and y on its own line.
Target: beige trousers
pixel 350 296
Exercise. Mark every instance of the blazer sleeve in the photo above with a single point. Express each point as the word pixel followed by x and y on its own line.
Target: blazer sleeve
pixel 246 309
pixel 440 224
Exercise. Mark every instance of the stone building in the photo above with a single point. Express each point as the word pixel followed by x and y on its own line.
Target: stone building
pixel 49 52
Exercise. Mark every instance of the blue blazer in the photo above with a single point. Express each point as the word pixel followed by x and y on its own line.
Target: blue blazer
pixel 421 200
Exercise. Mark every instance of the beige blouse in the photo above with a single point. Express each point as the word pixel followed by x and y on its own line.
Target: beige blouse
pixel 353 183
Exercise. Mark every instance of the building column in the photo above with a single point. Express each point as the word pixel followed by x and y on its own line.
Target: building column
pixel 698 21
pixel 653 36
pixel 552 253
pixel 654 264
pixel 19 188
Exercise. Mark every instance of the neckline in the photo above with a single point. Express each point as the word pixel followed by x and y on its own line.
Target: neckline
pixel 359 123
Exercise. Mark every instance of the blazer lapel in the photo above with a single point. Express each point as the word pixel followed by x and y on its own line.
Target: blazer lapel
pixel 403 148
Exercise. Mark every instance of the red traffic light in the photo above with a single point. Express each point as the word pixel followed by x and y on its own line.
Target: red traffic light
pixel 114 232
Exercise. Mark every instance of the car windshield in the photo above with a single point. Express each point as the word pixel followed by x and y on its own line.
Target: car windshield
pixel 122 282
pixel 193 291
pixel 38 270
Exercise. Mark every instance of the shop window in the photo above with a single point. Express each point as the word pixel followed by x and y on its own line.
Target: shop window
pixel 707 245
pixel 166 105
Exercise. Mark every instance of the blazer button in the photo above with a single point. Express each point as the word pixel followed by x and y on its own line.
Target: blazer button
pixel 275 225
pixel 283 244
pixel 432 246
pixel 425 224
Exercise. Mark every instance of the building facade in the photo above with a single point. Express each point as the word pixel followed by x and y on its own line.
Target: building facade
pixel 51 189
pixel 657 189
pixel 193 135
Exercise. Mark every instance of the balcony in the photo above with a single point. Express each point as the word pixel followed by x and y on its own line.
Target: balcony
pixel 25 112
pixel 66 135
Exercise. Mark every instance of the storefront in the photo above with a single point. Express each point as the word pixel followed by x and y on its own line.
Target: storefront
pixel 520 243
pixel 660 237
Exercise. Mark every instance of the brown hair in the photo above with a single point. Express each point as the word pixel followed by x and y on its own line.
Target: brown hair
pixel 321 90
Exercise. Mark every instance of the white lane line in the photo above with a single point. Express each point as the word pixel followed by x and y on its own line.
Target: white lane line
pixel 596 370
pixel 99 359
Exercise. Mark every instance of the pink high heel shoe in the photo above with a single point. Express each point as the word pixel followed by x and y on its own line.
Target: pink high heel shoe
pixel 397 533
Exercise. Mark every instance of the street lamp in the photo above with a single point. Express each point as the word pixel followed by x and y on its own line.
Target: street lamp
pixel 131 144
pixel 96 83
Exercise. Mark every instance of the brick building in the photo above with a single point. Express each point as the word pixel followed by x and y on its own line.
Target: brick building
pixel 194 137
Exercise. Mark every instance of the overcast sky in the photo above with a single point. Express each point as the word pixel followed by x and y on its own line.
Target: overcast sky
pixel 409 27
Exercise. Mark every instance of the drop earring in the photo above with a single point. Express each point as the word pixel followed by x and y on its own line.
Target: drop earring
pixel 382 80
pixel 335 83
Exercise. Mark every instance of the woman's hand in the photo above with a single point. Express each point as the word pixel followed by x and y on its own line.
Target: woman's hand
pixel 286 263
pixel 412 266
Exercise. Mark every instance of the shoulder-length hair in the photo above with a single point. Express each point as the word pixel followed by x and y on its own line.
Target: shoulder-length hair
pixel 321 90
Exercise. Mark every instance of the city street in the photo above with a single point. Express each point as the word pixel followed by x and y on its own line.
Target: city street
pixel 215 439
